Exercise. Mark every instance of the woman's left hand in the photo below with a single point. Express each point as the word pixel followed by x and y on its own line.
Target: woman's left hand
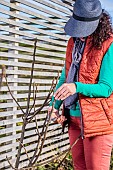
pixel 65 91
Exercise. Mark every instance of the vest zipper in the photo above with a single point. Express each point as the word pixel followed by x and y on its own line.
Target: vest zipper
pixel 81 121
pixel 81 118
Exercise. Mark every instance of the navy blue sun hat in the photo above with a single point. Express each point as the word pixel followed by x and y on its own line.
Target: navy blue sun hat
pixel 85 18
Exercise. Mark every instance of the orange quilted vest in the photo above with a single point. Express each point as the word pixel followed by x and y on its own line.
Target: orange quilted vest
pixel 97 113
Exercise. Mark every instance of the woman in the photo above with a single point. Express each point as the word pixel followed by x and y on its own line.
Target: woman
pixel 86 86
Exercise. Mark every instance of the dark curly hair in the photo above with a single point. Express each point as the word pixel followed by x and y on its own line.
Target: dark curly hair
pixel 103 31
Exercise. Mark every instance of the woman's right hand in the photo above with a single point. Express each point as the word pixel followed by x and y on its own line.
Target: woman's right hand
pixel 54 114
pixel 55 117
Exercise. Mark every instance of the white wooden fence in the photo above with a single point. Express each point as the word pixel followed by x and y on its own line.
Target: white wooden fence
pixel 20 22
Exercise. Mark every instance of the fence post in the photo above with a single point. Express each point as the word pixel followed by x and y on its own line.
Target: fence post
pixel 13 84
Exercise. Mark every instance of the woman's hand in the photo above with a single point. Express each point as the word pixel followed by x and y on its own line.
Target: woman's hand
pixel 65 91
pixel 61 119
pixel 54 114
pixel 55 117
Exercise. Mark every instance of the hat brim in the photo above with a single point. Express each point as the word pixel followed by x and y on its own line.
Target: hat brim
pixel 76 28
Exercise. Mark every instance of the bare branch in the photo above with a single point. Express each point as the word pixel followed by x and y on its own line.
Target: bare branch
pixel 36 149
pixel 37 130
pixel 45 125
pixel 34 97
pixel 21 141
pixel 44 133
pixel 38 143
pixel 27 110
pixel 10 164
pixel 13 96
pixel 29 94
pixel 53 85
pixel 45 102
pixel 25 150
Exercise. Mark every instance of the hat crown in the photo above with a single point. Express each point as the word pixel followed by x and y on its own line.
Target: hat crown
pixel 87 8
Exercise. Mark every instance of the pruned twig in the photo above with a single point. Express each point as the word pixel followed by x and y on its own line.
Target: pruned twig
pixel 3 74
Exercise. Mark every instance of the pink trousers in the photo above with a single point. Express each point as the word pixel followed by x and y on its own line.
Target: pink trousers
pixel 91 153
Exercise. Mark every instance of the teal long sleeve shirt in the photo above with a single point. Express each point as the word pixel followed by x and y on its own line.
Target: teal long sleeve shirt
pixel 103 88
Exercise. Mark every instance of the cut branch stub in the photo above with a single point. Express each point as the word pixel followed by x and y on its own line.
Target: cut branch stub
pixel 2 75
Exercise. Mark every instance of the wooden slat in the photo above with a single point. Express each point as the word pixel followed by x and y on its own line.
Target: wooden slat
pixel 28 73
pixel 23 80
pixel 28 65
pixel 49 149
pixel 32 13
pixel 32 28
pixel 10 105
pixel 62 4
pixel 55 146
pixel 28 134
pixel 22 96
pixel 27 42
pixel 29 57
pixel 20 40
pixel 50 140
pixel 23 164
pixel 47 155
pixel 57 8
pixel 24 88
pixel 31 20
pixel 53 152
pixel 30 50
pixel 18 112
pixel 42 9
pixel 33 132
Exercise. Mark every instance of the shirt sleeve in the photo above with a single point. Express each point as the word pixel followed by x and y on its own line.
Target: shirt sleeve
pixel 60 82
pixel 104 87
